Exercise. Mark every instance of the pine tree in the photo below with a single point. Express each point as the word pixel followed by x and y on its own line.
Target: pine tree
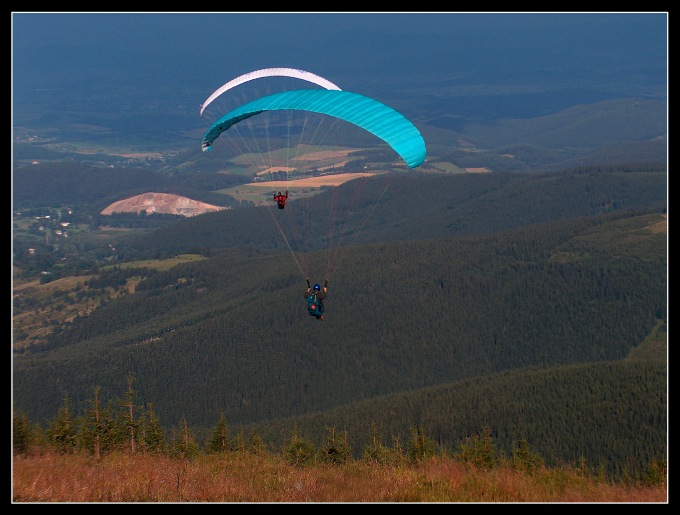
pixel 524 459
pixel 336 450
pixel 183 444
pixel 92 428
pixel 129 416
pixel 422 446
pixel 299 451
pixel 22 437
pixel 219 442
pixel 479 450
pixel 62 431
pixel 152 435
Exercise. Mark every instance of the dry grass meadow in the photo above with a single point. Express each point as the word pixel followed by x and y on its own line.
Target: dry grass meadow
pixel 311 182
pixel 242 477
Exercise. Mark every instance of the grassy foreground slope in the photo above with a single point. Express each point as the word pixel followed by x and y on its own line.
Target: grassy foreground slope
pixel 242 477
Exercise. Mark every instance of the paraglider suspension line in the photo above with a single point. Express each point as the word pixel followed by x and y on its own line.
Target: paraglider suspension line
pixel 332 267
pixel 283 235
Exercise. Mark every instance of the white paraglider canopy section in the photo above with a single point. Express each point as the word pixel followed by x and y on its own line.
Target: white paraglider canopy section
pixel 269 72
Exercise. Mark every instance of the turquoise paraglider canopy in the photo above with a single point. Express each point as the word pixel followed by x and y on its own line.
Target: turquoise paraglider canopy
pixel 367 113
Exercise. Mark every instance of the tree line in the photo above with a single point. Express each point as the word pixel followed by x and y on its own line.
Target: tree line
pixel 121 425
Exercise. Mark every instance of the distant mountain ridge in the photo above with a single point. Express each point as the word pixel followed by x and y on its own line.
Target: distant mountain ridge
pixel 461 204
pixel 622 130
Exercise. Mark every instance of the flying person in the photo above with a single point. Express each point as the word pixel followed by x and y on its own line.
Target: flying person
pixel 315 297
pixel 281 199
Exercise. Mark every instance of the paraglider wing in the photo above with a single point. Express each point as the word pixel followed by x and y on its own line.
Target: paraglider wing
pixel 270 72
pixel 367 113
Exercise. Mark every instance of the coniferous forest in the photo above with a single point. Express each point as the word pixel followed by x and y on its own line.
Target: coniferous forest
pixel 530 304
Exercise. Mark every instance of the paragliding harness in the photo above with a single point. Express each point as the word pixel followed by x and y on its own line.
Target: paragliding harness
pixel 314 305
pixel 281 200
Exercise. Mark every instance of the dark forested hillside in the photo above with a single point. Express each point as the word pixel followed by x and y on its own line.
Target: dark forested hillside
pixel 92 188
pixel 231 334
pixel 454 278
pixel 431 206
pixel 582 126
pixel 611 131
pixel 564 413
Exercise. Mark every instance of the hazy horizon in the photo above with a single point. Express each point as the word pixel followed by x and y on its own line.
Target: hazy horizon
pixel 474 65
